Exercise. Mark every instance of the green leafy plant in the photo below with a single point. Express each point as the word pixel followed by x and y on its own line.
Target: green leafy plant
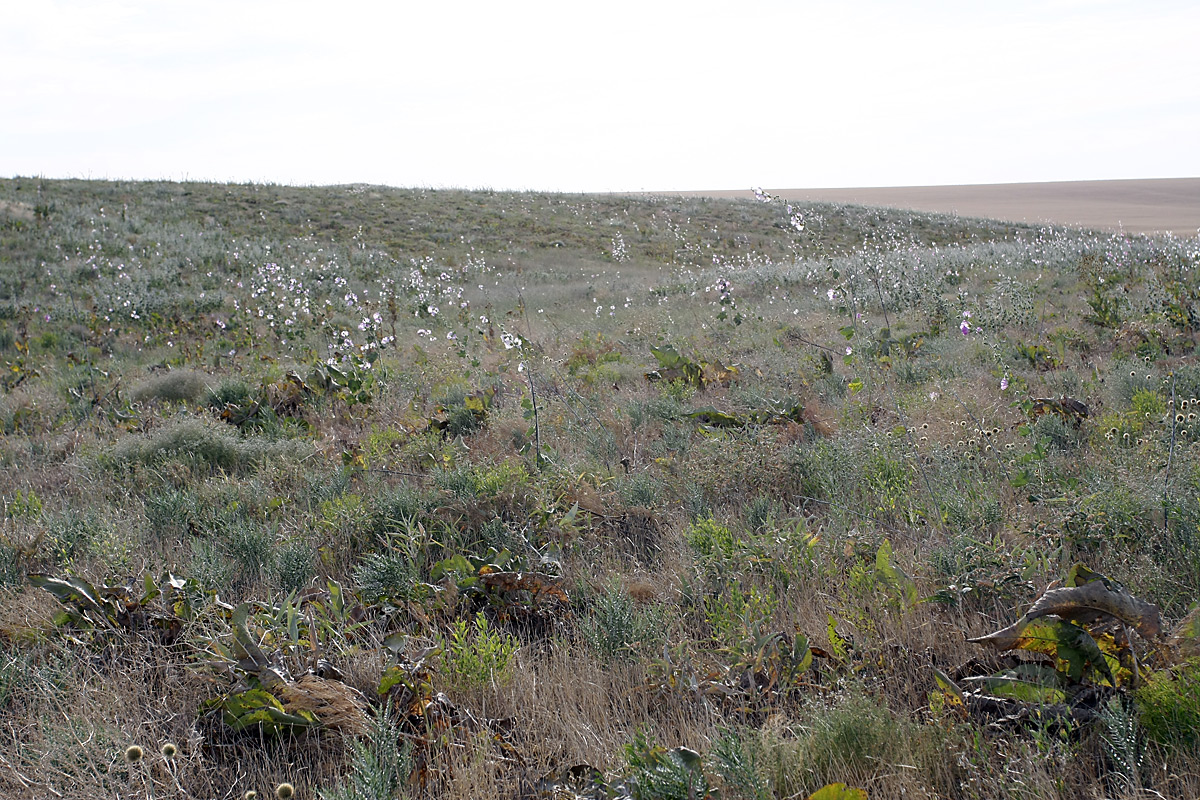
pixel 462 414
pixel 673 366
pixel 1105 306
pixel 1081 632
pixel 1070 627
pixel 163 604
pixel 265 697
pixel 734 612
pixel 656 773
pixel 775 413
pixel 1038 356
pixel 475 656
pixel 1168 706
pixel 838 791
pixel 353 380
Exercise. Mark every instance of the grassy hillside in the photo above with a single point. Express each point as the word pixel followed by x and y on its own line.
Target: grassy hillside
pixel 475 494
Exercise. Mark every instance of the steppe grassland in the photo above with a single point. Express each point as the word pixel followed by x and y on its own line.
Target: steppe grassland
pixel 280 395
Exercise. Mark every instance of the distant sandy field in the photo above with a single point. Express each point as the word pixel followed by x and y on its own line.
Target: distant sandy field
pixel 1139 206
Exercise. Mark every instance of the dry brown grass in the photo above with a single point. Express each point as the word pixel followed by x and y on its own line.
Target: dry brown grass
pixel 805 507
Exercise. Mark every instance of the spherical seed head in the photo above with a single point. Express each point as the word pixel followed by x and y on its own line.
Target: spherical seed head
pixel 285 791
pixel 169 750
pixel 250 795
pixel 133 754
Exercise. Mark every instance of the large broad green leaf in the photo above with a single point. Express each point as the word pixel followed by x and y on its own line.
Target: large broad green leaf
pixel 1030 683
pixel 258 707
pixel 668 357
pixel 948 686
pixel 802 655
pixel 718 419
pixel 1080 575
pixel 391 677
pixel 1024 691
pixel 887 573
pixel 674 366
pixel 458 564
pixel 242 703
pixel 150 590
pixel 244 646
pixel 1073 648
pixel 72 590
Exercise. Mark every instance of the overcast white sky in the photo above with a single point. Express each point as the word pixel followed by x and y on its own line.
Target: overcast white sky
pixel 599 96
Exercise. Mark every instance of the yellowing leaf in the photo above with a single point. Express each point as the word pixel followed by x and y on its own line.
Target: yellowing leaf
pixel 838 791
pixel 954 695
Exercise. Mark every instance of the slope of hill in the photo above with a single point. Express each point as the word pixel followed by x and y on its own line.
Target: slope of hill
pixel 385 492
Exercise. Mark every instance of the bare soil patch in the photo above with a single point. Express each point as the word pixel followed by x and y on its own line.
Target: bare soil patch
pixel 1169 205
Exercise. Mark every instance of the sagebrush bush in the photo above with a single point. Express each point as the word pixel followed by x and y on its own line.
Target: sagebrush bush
pixel 172 386
pixel 390 574
pixel 203 445
pixel 380 765
pixel 856 741
pixel 618 628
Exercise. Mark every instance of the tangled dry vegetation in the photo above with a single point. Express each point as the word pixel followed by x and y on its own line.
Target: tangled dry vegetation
pixel 357 492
